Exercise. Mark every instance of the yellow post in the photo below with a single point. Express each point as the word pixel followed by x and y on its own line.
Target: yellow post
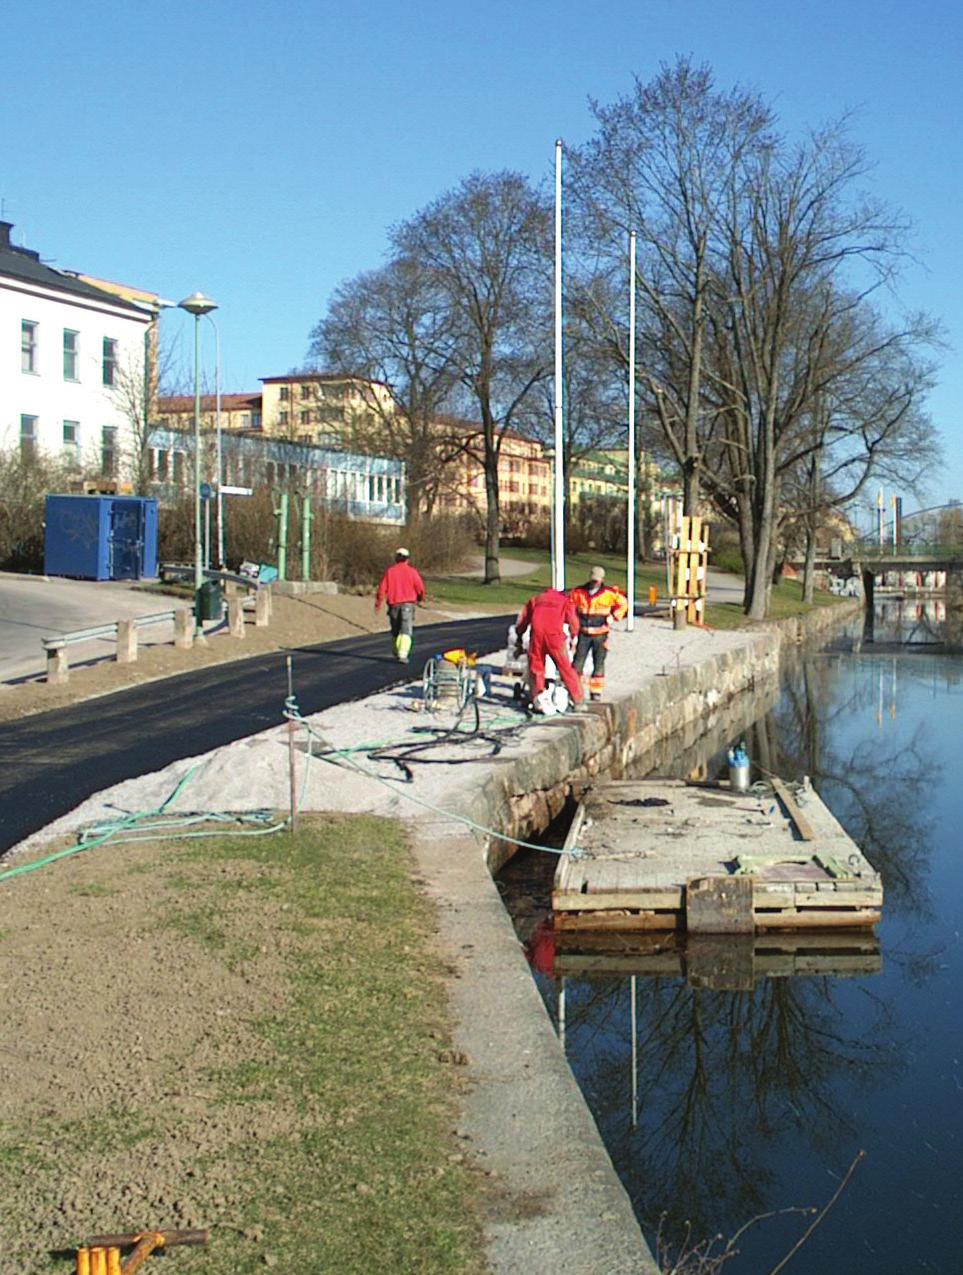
pixel 98 1261
pixel 113 1262
pixel 83 1261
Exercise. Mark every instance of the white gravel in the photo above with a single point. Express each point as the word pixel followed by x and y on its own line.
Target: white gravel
pixel 253 773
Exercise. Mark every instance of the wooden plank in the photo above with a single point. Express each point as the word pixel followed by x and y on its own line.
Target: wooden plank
pixel 792 810
pixel 719 905
pixel 627 921
pixel 633 900
pixel 818 918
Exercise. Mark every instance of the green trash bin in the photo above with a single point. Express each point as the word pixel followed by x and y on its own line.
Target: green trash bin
pixel 210 601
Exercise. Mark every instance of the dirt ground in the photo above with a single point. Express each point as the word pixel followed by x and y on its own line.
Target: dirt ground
pixel 97 1032
pixel 294 622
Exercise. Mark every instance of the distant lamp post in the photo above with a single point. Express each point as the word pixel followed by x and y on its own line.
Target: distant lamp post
pixel 218 460
pixel 198 305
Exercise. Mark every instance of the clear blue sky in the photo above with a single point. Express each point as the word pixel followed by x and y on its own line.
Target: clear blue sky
pixel 259 151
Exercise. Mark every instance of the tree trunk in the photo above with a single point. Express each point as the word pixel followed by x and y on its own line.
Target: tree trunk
pixel 809 569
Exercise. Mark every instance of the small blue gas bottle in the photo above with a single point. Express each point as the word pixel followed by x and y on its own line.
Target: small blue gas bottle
pixel 738 768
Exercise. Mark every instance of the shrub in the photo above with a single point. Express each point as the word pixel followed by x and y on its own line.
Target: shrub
pixel 24 484
pixel 343 549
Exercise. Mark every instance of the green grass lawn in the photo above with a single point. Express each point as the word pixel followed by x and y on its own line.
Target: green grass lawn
pixel 785 600
pixel 374 1184
pixel 511 593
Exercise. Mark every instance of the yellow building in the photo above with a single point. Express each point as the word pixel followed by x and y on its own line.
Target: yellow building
pixel 240 413
pixel 323 407
pixel 524 478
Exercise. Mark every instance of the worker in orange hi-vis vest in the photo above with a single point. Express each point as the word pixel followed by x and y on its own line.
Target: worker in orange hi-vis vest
pixel 596 603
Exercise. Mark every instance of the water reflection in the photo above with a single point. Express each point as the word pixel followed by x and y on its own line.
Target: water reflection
pixel 692 1088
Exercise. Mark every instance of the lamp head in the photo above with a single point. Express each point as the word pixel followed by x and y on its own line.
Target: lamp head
pixel 197 304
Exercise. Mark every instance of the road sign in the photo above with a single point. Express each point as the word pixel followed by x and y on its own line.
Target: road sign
pixel 206 491
pixel 237 491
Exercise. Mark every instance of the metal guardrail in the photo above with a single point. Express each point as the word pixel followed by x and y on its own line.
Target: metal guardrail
pixel 103 630
pixel 186 571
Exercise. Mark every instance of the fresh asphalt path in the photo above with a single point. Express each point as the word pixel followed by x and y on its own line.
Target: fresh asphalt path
pixel 51 762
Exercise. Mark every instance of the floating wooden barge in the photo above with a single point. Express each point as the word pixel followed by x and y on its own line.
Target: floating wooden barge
pixel 670 855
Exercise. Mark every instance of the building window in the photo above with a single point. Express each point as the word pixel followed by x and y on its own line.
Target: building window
pixel 28 437
pixel 284 393
pixel 282 418
pixel 70 354
pixel 178 459
pixel 110 361
pixel 108 451
pixel 28 346
pixel 306 416
pixel 72 442
pixel 306 391
pixel 161 468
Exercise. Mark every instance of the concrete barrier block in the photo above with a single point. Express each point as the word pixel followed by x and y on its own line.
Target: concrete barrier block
pixel 184 628
pixel 58 669
pixel 126 642
pixel 262 608
pixel 235 618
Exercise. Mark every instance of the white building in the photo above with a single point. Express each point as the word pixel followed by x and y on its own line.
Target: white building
pixel 64 344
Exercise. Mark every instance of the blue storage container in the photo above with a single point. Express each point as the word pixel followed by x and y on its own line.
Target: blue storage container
pixel 100 537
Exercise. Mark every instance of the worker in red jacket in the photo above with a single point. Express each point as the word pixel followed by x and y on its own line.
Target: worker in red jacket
pixel 596 603
pixel 402 588
pixel 546 615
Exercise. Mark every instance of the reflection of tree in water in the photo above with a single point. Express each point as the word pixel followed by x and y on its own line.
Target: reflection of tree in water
pixel 878 791
pixel 722 1078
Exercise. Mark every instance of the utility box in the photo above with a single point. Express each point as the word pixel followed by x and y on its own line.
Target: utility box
pixel 100 537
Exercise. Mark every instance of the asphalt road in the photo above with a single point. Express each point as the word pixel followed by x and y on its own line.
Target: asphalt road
pixel 50 762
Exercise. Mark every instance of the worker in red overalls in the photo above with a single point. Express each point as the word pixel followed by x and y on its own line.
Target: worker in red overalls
pixel 596 603
pixel 546 615
pixel 403 588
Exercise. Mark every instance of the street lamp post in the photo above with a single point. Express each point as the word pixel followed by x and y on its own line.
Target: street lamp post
pixel 218 460
pixel 198 305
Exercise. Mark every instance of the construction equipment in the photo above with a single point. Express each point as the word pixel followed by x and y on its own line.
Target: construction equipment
pixel 101 1255
pixel 449 679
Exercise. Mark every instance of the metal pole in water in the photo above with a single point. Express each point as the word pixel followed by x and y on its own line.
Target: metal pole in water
pixel 635 1053
pixel 561 1012
pixel 291 767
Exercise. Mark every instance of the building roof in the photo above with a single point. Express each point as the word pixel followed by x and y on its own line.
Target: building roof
pixel 317 377
pixel 22 263
pixel 176 404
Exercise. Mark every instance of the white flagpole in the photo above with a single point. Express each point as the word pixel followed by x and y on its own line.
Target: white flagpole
pixel 558 511
pixel 630 513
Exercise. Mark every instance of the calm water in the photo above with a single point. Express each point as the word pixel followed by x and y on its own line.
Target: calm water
pixel 718 1106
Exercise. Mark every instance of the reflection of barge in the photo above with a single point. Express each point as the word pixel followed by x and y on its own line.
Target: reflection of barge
pixel 667 855
pixel 720 962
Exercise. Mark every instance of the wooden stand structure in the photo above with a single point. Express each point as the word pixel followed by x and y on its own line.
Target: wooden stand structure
pixel 688 565
pixel 667 855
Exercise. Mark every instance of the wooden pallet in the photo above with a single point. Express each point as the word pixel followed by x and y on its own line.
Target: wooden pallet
pixel 663 855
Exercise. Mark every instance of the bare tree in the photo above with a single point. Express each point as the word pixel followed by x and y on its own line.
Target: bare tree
pixel 485 247
pixel 136 383
pixel 757 259
pixel 662 164
pixel 393 326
